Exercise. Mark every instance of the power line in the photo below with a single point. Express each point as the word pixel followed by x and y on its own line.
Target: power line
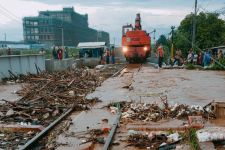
pixel 8 12
pixel 4 14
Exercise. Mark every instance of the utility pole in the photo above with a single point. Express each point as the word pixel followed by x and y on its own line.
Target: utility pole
pixel 194 25
pixel 154 36
pixel 172 46
pixel 5 39
pixel 97 35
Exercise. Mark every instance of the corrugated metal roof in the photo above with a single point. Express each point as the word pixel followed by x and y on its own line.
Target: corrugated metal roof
pixel 83 45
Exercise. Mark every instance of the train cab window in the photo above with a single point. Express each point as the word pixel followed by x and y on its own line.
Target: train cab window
pixel 127 28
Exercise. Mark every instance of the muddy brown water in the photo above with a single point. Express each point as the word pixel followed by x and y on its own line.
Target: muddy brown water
pixel 146 84
pixel 191 87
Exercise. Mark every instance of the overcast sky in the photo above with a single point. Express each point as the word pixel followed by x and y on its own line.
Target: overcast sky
pixel 104 14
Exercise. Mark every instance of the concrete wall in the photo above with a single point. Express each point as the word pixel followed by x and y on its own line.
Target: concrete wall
pixel 20 64
pixel 58 65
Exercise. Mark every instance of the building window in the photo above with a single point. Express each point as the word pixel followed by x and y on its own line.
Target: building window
pixel 31 30
pixel 35 23
pixel 27 22
pixel 35 30
pixel 36 37
pixel 27 30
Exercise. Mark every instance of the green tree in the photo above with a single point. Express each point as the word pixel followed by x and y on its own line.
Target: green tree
pixel 210 31
pixel 162 40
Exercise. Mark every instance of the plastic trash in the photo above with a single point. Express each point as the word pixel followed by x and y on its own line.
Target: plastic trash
pixel 173 137
pixel 132 132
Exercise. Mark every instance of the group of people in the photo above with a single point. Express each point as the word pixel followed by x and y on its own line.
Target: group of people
pixel 105 57
pixel 59 53
pixel 204 58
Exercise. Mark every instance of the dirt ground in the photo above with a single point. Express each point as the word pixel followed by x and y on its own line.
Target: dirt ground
pixel 145 84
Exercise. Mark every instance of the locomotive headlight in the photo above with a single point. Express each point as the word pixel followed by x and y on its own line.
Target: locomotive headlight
pixel 125 49
pixel 145 48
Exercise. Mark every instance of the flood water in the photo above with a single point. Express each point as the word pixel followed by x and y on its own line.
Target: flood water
pixel 191 87
pixel 146 84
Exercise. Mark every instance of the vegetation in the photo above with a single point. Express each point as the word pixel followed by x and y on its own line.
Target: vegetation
pixel 193 140
pixel 210 32
pixel 220 65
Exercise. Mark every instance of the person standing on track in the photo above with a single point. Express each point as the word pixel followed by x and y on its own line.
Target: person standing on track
pixel 160 55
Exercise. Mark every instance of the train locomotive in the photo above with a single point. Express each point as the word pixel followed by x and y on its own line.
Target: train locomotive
pixel 136 43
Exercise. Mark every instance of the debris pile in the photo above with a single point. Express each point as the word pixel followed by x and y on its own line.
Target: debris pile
pixel 152 140
pixel 60 87
pixel 46 96
pixel 163 126
pixel 155 112
pixel 12 139
pixel 92 135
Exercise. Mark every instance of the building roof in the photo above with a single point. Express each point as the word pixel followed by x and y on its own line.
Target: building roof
pixel 83 45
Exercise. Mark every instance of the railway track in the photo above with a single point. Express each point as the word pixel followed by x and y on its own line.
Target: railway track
pixel 34 141
pixel 127 72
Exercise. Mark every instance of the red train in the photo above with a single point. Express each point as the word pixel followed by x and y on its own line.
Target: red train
pixel 136 43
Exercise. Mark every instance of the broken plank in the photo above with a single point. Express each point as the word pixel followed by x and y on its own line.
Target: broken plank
pixel 20 128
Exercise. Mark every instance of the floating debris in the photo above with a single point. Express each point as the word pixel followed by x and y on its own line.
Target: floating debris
pixel 45 97
pixel 154 112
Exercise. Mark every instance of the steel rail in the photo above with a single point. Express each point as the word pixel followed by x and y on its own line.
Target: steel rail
pixel 31 142
pixel 112 132
pixel 118 72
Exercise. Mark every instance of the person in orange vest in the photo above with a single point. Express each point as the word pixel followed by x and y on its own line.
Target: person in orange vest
pixel 160 54
pixel 107 55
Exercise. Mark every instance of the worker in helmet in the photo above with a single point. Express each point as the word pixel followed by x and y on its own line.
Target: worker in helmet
pixel 160 54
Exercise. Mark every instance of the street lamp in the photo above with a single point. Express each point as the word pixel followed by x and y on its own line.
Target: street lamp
pixel 172 46
pixel 98 31
pixel 97 35
pixel 61 27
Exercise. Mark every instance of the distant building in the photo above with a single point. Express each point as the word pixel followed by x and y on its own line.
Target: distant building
pixel 56 27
